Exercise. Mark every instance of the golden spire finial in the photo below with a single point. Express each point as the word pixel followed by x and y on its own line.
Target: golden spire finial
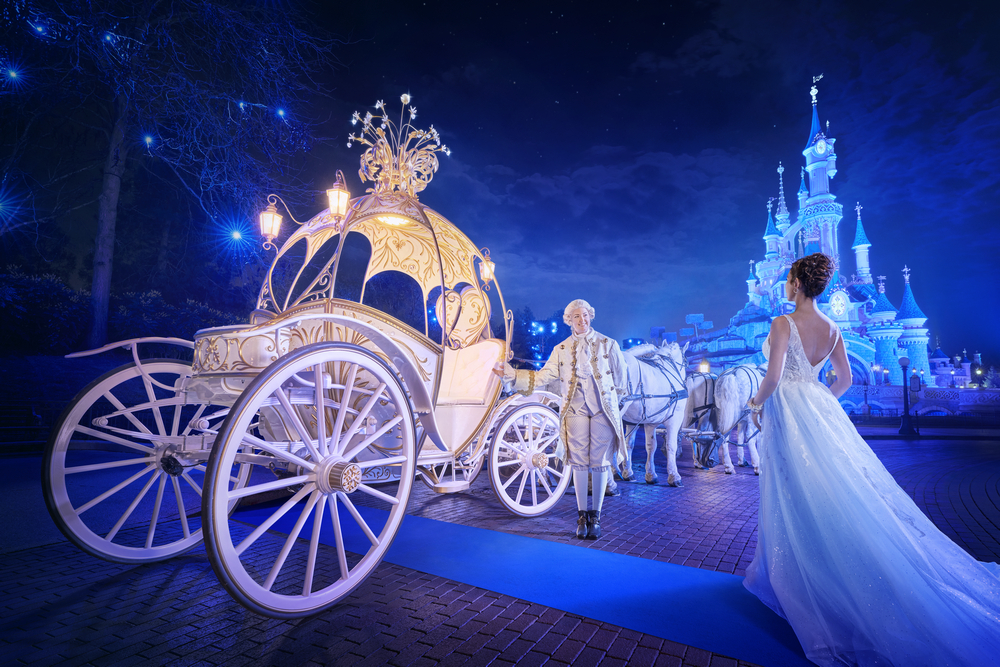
pixel 400 158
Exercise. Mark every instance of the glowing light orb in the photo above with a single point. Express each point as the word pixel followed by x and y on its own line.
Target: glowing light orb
pixel 236 235
pixel 281 113
pixel 149 140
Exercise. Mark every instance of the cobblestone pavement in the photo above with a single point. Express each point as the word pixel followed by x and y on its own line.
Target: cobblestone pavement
pixel 61 606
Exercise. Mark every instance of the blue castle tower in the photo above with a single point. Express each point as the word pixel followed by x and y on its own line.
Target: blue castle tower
pixel 876 333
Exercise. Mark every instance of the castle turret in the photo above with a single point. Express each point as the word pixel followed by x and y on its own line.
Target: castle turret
pixel 821 214
pixel 860 248
pixel 752 296
pixel 771 235
pixel 884 330
pixel 914 337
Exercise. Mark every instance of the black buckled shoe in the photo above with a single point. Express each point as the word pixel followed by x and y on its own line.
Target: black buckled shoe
pixel 593 524
pixel 582 524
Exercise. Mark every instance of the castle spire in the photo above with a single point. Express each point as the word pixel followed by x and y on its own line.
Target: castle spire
pixel 815 129
pixel 860 248
pixel 782 208
pixel 908 309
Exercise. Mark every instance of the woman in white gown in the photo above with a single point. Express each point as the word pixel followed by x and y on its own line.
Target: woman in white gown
pixel 861 575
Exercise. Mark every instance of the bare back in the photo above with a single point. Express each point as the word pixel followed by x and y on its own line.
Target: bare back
pixel 817 333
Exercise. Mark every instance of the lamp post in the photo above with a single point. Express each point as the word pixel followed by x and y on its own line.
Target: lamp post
pixel 905 425
pixel 866 410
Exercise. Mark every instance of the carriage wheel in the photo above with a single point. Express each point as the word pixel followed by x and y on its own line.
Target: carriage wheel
pixel 527 476
pixel 315 421
pixel 433 474
pixel 119 477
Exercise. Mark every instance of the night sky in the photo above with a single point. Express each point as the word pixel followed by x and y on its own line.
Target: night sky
pixel 625 152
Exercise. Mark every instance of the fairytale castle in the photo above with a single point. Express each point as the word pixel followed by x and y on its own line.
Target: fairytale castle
pixel 877 333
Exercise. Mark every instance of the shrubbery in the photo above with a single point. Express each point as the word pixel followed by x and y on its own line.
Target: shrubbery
pixel 42 315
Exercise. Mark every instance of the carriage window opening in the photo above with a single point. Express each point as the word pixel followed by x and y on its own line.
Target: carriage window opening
pixel 283 274
pixel 434 331
pixel 352 266
pixel 318 263
pixel 398 295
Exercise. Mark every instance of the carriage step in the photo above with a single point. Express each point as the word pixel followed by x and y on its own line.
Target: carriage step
pixel 450 487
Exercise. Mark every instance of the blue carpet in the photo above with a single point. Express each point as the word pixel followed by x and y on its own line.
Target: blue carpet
pixel 709 610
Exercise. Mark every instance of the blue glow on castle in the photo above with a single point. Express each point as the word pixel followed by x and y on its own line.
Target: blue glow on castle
pixel 877 333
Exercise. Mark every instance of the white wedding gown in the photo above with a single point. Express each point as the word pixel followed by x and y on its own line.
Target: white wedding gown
pixel 861 575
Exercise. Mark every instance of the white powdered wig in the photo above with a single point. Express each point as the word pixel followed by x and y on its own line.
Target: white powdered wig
pixel 573 305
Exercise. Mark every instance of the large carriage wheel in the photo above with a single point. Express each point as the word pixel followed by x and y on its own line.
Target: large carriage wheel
pixel 527 476
pixel 119 477
pixel 314 421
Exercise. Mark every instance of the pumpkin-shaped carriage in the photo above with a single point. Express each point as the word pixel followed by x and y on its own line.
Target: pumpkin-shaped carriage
pixel 367 363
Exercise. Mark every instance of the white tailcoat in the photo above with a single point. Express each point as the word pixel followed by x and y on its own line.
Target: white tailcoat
pixel 608 367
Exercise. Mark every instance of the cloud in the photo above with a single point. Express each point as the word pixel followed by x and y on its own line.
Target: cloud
pixel 708 52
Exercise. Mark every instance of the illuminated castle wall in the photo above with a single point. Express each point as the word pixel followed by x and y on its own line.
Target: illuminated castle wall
pixel 877 333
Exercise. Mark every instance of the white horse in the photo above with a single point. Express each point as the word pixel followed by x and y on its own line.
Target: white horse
pixel 656 396
pixel 699 417
pixel 733 389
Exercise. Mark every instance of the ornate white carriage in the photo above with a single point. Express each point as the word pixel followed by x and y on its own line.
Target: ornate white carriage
pixel 368 362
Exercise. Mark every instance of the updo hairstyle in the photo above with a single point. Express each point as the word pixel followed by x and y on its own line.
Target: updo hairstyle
pixel 573 305
pixel 813 273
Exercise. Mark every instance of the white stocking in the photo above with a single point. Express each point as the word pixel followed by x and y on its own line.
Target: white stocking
pixel 600 481
pixel 580 486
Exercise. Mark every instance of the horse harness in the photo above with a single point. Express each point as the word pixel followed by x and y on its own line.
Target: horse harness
pixel 673 372
pixel 700 411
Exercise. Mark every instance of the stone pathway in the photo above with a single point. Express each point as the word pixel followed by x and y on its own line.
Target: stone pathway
pixel 60 606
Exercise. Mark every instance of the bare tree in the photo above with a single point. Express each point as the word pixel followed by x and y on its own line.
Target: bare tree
pixel 217 91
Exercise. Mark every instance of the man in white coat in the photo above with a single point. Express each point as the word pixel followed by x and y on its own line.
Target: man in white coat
pixel 591 372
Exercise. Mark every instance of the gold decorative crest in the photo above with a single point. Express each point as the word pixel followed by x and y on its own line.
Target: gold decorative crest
pixel 400 158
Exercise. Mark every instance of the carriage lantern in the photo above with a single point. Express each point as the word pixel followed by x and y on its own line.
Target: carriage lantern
pixel 339 196
pixel 270 223
pixel 704 366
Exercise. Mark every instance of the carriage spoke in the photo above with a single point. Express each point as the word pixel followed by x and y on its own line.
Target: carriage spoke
pixel 338 537
pixel 378 494
pixel 512 477
pixel 128 511
pixel 197 415
pixel 321 445
pixel 512 462
pixel 359 420
pixel 110 464
pixel 520 489
pixel 313 543
pixel 345 399
pixel 548 441
pixel 544 482
pixel 271 520
pixel 269 486
pixel 357 517
pixel 108 437
pixel 257 443
pixel 180 507
pixel 297 424
pixel 157 415
pixel 279 562
pixel 553 471
pixel 357 449
pixel 113 490
pixel 534 487
pixel 387 461
pixel 156 510
pixel 194 485
pixel 127 413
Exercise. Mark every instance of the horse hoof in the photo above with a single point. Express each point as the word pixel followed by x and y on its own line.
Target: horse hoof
pixel 651 480
pixel 730 471
pixel 756 472
pixel 676 483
